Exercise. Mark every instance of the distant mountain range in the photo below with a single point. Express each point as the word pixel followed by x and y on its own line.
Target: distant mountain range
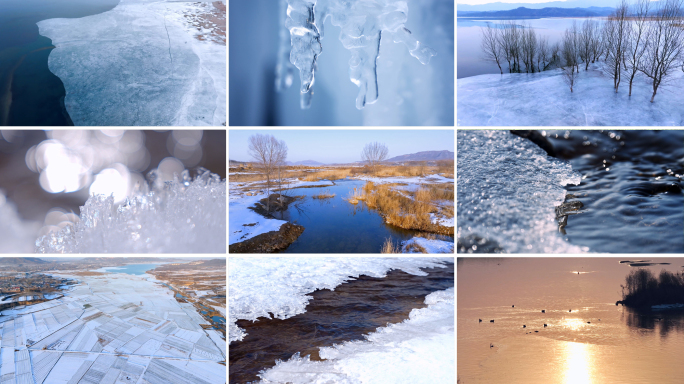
pixel 544 12
pixel 424 156
pixel 305 162
pixel 17 261
pixel 554 4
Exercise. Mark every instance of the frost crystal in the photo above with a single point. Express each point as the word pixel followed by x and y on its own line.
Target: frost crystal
pixel 179 216
pixel 363 23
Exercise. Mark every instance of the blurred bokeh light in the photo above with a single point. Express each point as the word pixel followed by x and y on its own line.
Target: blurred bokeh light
pixel 49 174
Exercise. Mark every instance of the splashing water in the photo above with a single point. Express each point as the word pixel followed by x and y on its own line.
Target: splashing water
pixel 179 216
pixel 363 23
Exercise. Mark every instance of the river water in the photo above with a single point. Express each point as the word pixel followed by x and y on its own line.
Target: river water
pixel 334 225
pixel 29 93
pixel 132 269
pixel 597 342
pixel 332 317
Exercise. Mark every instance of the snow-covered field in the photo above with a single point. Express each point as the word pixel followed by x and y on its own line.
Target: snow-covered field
pixel 113 328
pixel 418 350
pixel 145 62
pixel 544 99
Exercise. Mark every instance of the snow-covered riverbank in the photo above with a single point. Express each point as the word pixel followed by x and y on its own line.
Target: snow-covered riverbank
pixel 544 99
pixel 143 63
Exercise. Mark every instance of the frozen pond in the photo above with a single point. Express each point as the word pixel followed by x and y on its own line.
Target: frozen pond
pixel 133 269
pixel 587 338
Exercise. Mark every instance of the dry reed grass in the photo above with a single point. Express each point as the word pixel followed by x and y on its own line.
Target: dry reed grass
pixel 390 247
pixel 355 196
pixel 331 174
pixel 324 195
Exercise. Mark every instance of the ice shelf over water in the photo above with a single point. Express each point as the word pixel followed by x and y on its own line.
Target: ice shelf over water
pixel 115 328
pixel 180 216
pixel 363 23
pixel 261 286
pixel 418 350
pixel 507 190
pixel 145 62
pixel 544 99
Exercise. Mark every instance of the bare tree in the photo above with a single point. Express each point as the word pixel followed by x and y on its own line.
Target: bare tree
pixel 597 43
pixel 637 43
pixel 491 45
pixel 569 52
pixel 508 44
pixel 587 40
pixel 615 35
pixel 665 50
pixel 528 47
pixel 374 153
pixel 269 154
pixel 543 53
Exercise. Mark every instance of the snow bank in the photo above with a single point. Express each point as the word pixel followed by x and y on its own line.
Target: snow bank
pixel 507 190
pixel 183 216
pixel 16 235
pixel 431 246
pixel 418 350
pixel 145 62
pixel 544 99
pixel 245 223
pixel 430 179
pixel 261 286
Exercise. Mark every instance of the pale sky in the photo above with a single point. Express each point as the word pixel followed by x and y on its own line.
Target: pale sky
pixel 342 146
pixel 479 2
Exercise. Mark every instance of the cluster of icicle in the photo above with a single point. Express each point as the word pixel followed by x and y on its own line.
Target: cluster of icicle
pixel 363 24
pixel 179 216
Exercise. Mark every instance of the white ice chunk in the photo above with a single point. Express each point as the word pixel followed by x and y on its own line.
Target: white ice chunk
pixel 181 216
pixel 261 286
pixel 418 350
pixel 507 190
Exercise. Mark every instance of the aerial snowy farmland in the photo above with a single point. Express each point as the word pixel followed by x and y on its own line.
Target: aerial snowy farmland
pixel 110 328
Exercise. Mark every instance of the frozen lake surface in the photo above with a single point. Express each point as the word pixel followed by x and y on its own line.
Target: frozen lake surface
pixel 543 99
pixel 108 328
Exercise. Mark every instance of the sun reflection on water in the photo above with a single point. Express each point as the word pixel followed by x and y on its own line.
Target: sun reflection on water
pixel 574 324
pixel 578 363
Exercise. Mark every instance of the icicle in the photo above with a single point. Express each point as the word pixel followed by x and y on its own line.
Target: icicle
pixel 306 44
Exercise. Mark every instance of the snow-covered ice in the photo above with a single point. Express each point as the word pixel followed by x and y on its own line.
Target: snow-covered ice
pixel 145 62
pixel 418 350
pixel 508 189
pixel 431 246
pixel 245 223
pixel 429 179
pixel 113 328
pixel 544 99
pixel 261 286
pixel 179 216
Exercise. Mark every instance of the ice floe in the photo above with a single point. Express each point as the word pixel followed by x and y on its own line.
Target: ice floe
pixel 278 287
pixel 145 62
pixel 418 350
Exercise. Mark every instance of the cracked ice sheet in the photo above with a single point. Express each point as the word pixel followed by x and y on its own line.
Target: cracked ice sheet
pixel 514 99
pixel 419 350
pixel 117 69
pixel 259 285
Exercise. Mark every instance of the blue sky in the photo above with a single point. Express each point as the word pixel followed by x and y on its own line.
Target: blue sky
pixel 342 146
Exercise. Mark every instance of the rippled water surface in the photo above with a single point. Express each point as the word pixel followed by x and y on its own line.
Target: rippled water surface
pixel 337 226
pixel 347 313
pixel 588 339
pixel 631 189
